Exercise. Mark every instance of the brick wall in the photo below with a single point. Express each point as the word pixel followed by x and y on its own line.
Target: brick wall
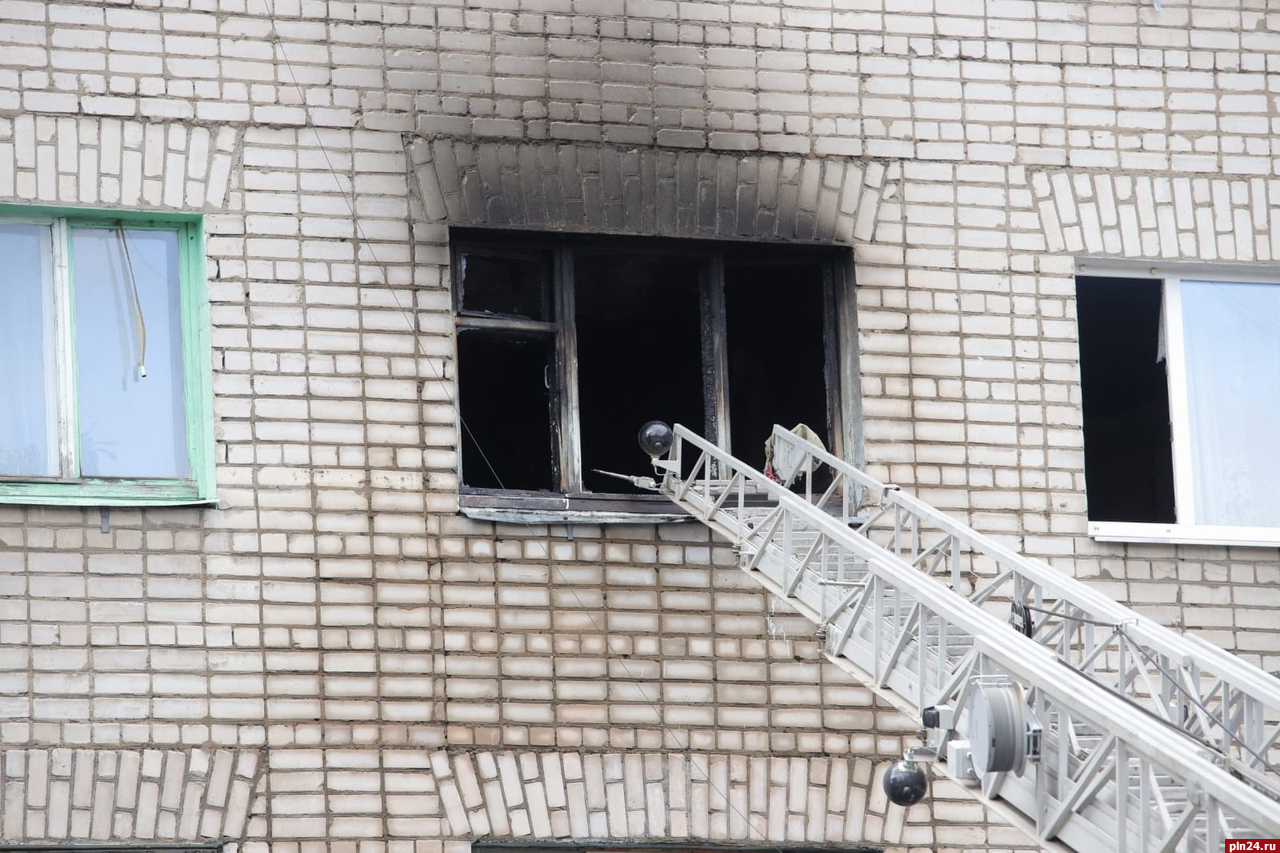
pixel 397 677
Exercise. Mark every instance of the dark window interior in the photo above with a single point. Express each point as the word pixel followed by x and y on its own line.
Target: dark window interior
pixel 505 404
pixel 777 352
pixel 513 285
pixel 639 356
pixel 1127 449
pixel 632 330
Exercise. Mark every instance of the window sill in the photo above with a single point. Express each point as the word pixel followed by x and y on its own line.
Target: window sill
pixel 116 493
pixel 547 508
pixel 1184 534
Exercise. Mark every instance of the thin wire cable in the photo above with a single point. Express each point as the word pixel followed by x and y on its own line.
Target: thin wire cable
pixel 1177 685
pixel 1082 619
pixel 360 231
pixel 1195 700
pixel 306 110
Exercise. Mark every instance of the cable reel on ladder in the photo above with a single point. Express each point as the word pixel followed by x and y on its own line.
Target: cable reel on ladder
pixel 1003 737
pixel 1003 733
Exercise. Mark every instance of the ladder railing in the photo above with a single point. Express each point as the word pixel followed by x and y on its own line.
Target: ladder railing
pixel 1110 776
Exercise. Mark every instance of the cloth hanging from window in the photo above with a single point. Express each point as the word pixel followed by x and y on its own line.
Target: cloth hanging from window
pixel 805 432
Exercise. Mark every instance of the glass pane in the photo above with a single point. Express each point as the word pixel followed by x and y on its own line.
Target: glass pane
pixel 28 396
pixel 505 407
pixel 127 318
pixel 1233 388
pixel 512 286
pixel 639 357
pixel 777 353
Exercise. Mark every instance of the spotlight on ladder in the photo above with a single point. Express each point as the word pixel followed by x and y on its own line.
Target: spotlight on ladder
pixel 905 782
pixel 655 438
pixel 1004 736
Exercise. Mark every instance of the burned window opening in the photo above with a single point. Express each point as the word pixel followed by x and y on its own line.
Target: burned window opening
pixel 511 285
pixel 725 338
pixel 505 405
pixel 776 352
pixel 1127 442
pixel 638 332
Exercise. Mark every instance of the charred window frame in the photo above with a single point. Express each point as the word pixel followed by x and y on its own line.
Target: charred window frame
pixel 1180 384
pixel 567 344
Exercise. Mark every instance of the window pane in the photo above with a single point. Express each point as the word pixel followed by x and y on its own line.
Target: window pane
pixel 777 353
pixel 505 407
pixel 1128 456
pixel 1233 388
pixel 639 356
pixel 127 313
pixel 28 420
pixel 513 286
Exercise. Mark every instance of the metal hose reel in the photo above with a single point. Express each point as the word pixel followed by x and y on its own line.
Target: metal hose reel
pixel 1003 734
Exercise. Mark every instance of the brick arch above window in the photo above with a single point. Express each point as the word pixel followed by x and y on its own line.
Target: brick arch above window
pixel 1171 217
pixel 648 191
pixel 126 796
pixel 676 797
pixel 87 160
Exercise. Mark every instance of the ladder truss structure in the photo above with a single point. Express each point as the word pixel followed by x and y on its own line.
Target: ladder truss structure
pixel 1145 739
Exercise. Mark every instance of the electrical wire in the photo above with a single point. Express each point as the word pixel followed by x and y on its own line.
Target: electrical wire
pixel 137 302
pixel 686 746
pixel 306 109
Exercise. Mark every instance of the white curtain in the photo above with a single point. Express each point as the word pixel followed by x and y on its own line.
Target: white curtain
pixel 28 419
pixel 1232 352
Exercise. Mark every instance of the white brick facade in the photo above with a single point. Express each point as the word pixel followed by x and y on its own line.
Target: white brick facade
pixel 334 659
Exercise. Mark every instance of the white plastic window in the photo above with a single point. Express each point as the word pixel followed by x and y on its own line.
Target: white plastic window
pixel 1226 432
pixel 1220 345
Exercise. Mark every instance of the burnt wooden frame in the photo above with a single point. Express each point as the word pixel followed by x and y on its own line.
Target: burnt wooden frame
pixel 839 334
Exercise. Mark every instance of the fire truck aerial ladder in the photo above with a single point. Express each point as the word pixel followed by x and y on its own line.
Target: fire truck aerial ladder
pixel 1087 725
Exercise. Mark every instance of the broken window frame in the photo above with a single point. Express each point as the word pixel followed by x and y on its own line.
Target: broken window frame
pixel 572 501
pixel 1187 528
pixel 68 487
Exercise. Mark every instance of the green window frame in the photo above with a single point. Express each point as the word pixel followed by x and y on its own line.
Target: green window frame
pixel 68 485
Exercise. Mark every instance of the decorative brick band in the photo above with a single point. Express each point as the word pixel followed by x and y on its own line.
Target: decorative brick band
pixel 649 191
pixel 1146 216
pixel 99 795
pixel 106 161
pixel 670 796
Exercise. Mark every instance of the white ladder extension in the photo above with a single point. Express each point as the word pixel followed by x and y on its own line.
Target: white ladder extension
pixel 1137 738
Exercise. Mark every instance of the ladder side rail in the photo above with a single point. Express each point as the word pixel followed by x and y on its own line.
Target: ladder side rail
pixel 1020 657
pixel 1210 659
pixel 1176 650
pixel 1249 678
